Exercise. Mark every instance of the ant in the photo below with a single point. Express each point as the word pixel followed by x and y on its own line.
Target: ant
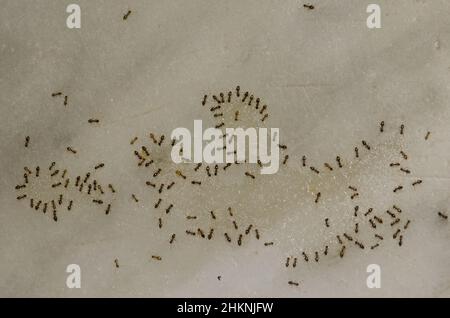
pixel 127 15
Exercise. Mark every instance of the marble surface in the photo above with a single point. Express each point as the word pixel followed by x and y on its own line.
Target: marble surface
pixel 328 82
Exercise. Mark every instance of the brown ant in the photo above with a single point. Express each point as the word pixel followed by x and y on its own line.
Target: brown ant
pixel 305 257
pixel 397 189
pixel 126 15
pixel 314 169
pixel 338 160
pixel 161 140
pixel 407 224
pixel 404 155
pixel 110 186
pixel 248 174
pixel 442 215
pixel 240 240
pixel 250 100
pixel 180 174
pixel 170 185
pixel 245 96
pixel 317 197
pixel 396 234
pixel 70 149
pixel 391 214
pixel 54 173
pixel 153 138
pixel 405 170
pixel 354 195
pixel 379 220
pixel 100 165
pixel 378 236
pixel 365 144
pixel 348 237
pixel 200 232
pixel 56 185
pixel 341 253
pixel 157 172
